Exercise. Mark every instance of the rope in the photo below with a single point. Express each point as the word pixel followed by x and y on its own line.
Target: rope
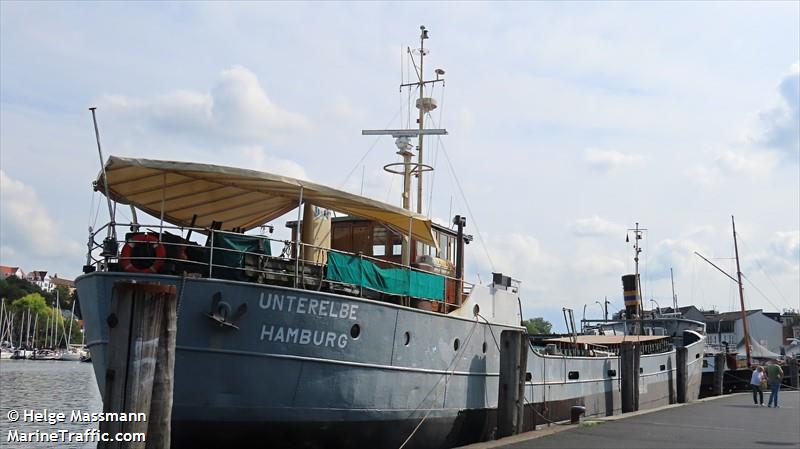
pixel 759 291
pixel 435 156
pixel 766 273
pixel 466 203
pixel 458 355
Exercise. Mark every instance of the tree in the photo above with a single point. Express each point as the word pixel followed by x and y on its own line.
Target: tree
pixel 13 288
pixel 32 301
pixel 537 325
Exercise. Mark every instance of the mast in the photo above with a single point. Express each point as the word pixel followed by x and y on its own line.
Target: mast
pixel 408 168
pixel 421 120
pixel 35 322
pixel 637 251
pixel 71 319
pixel 632 285
pixel 674 297
pixel 741 297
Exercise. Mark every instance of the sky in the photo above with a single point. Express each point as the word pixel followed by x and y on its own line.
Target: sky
pixel 567 124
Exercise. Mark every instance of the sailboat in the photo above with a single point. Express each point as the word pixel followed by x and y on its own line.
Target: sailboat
pixel 738 369
pixel 359 331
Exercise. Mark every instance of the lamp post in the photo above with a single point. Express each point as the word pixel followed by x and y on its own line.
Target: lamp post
pixel 604 307
pixel 604 310
pixel 657 305
pixel 583 321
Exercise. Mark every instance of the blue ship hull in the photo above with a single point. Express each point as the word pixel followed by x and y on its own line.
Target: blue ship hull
pixel 296 374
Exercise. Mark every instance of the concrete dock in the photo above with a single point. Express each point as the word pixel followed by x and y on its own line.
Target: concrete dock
pixel 730 421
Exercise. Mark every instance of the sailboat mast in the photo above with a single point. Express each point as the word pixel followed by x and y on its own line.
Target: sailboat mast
pixel 71 319
pixel 741 297
pixel 423 35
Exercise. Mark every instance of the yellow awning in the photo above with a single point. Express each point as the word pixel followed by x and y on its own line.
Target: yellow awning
pixel 237 197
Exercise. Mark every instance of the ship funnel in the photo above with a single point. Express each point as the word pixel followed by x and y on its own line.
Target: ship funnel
pixel 630 288
pixel 316 233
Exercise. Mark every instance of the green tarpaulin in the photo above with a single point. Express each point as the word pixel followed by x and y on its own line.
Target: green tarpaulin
pixel 397 281
pixel 229 251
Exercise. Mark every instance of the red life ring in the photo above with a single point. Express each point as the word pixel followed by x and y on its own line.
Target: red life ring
pixel 146 239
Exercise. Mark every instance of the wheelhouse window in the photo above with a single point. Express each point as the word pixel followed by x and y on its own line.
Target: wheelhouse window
pixel 379 240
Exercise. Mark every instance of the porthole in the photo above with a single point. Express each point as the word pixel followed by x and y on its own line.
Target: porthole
pixel 456 344
pixel 611 373
pixel 641 370
pixel 355 331
pixel 528 377
pixel 662 367
pixel 476 310
pixel 484 347
pixel 573 375
pixel 407 338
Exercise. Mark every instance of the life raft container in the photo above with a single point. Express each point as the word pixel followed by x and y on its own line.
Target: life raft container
pixel 143 264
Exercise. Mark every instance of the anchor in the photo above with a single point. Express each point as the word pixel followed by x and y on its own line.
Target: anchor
pixel 221 312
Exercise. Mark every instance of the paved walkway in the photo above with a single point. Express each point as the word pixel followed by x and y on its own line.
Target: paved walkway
pixel 730 421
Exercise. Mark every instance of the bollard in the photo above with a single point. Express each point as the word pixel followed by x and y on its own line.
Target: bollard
pixel 137 332
pixel 719 374
pixel 681 355
pixel 575 413
pixel 629 367
pixel 511 391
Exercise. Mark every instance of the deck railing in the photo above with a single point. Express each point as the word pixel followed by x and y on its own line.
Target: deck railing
pixel 287 267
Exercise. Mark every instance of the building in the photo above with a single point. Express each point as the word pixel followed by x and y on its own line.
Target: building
pixel 11 271
pixel 727 328
pixel 39 278
pixel 61 282
pixel 687 312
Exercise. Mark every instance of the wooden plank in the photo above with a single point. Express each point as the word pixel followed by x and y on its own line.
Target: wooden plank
pixel 511 394
pixel 681 356
pixel 719 374
pixel 159 420
pixel 136 326
pixel 119 327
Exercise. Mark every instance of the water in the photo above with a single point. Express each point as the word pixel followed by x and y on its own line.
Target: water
pixel 59 387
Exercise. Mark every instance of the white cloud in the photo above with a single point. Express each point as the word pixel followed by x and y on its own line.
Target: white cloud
pixel 598 265
pixel 237 109
pixel 610 160
pixel 27 224
pixel 780 125
pixel 595 226
pixel 256 158
pixel 733 163
pixel 670 253
pixel 783 256
pixel 520 256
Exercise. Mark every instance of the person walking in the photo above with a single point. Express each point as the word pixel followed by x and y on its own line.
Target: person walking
pixel 756 380
pixel 774 377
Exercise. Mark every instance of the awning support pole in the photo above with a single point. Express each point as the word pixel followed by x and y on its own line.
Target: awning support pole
pixel 297 238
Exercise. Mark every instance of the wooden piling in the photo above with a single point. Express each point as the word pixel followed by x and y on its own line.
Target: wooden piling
pixel 681 359
pixel 719 375
pixel 629 366
pixel 159 421
pixel 137 332
pixel 511 394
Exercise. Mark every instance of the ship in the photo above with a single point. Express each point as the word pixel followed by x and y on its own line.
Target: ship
pixel 358 331
pixel 584 369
